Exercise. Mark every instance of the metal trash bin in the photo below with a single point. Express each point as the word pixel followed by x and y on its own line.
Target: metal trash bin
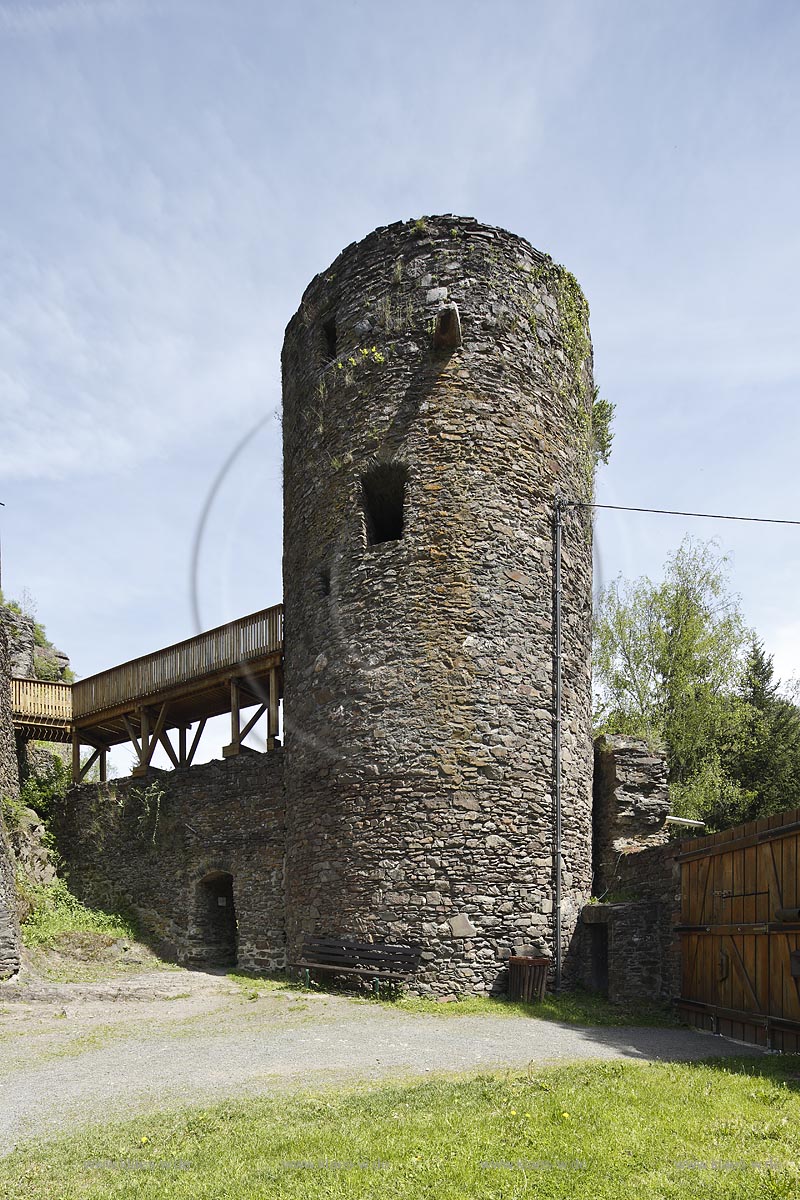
pixel 527 977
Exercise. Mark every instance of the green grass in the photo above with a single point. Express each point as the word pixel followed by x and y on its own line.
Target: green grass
pixel 55 911
pixel 40 1049
pixel 589 1131
pixel 575 1007
pixel 252 985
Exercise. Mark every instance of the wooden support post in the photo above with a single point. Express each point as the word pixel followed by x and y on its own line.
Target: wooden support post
pixel 155 736
pixel 272 716
pixel 76 758
pixel 139 743
pixel 236 737
pixel 150 737
pixel 182 747
pixel 144 742
pixel 104 764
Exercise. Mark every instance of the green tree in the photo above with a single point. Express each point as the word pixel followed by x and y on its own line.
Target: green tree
pixel 668 666
pixel 766 762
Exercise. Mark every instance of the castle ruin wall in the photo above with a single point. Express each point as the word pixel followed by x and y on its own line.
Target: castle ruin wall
pixel 165 845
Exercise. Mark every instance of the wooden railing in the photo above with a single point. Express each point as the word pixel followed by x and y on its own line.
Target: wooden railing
pixel 37 700
pixel 232 645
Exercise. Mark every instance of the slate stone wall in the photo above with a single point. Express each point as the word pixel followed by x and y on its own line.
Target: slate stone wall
pixel 418 674
pixel 626 946
pixel 9 787
pixel 652 874
pixel 126 845
pixel 631 804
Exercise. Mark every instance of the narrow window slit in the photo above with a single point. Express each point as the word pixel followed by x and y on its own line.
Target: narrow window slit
pixel 331 340
pixel 383 492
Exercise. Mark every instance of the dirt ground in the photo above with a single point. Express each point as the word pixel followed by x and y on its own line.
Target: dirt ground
pixel 139 1038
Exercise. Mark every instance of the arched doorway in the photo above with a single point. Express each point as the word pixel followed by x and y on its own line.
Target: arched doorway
pixel 215 928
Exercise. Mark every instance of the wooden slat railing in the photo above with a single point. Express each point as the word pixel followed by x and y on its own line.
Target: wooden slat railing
pixel 232 645
pixel 37 700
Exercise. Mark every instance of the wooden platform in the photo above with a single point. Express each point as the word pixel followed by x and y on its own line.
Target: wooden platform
pixel 42 710
pixel 227 669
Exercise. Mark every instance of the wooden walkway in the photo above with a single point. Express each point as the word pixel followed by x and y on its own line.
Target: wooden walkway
pixel 144 701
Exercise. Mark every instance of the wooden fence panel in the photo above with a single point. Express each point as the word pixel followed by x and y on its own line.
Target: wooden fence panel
pixel 740 933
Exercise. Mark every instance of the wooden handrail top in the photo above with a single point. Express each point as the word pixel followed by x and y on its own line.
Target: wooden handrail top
pixel 235 644
pixel 246 640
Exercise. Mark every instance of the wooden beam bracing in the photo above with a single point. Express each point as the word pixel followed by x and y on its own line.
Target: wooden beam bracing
pixel 84 770
pixel 195 742
pixel 133 737
pixel 167 744
pixel 257 715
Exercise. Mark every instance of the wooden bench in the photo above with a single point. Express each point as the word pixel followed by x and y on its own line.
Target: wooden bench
pixel 345 956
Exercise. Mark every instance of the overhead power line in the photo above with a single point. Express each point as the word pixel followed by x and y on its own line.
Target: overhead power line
pixel 669 512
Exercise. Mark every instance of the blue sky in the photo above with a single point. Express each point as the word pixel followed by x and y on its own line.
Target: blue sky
pixel 175 173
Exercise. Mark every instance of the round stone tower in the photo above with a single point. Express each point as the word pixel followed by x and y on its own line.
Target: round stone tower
pixel 437 394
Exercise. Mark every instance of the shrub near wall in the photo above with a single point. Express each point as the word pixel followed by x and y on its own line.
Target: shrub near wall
pixel 9 793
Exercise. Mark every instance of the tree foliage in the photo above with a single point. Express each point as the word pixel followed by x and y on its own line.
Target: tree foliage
pixel 674 662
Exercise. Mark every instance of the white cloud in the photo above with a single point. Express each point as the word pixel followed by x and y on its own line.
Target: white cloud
pixel 39 17
pixel 120 341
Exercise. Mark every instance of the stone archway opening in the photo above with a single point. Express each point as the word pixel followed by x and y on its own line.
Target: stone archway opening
pixel 216 942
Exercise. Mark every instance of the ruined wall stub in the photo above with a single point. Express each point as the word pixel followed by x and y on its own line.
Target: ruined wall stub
pixel 419 667
pixel 631 804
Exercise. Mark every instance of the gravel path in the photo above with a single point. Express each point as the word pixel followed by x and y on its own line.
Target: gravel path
pixel 84 1053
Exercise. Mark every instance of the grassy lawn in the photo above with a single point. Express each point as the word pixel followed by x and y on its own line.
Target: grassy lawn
pixel 576 1007
pixel 589 1130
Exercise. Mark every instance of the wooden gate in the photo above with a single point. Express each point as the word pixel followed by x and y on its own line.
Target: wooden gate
pixel 740 931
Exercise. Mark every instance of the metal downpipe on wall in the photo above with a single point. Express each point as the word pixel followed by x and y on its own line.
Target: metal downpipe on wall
pixel 557 531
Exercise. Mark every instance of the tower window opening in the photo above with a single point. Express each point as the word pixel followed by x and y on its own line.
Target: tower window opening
pixel 383 492
pixel 331 340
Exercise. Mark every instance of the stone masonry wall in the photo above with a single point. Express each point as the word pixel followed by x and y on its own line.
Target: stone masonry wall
pixel 630 805
pixel 418 674
pixel 652 875
pixel 9 788
pixel 125 845
pixel 635 869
